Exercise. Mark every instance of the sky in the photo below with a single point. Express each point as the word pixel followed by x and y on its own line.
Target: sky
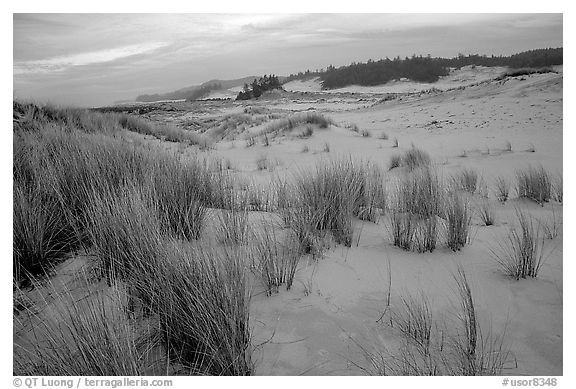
pixel 97 59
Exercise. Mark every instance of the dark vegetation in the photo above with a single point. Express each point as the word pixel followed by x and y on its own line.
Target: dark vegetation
pixel 79 183
pixel 425 69
pixel 259 86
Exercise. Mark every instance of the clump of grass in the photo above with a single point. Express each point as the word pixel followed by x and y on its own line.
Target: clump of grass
pixel 412 159
pixel 502 189
pixel 327 199
pixel 466 180
pixel 485 213
pixel 181 193
pixel 557 189
pixel 551 227
pixel 372 197
pixel 534 183
pixel 365 133
pixel 416 206
pixel 276 261
pixel 307 133
pixel 458 215
pixel 395 161
pixel 414 319
pixel 326 147
pixel 233 223
pixel 40 231
pixel 266 142
pixel 521 255
pixel 415 158
pixel 305 148
pixel 200 300
pixel 262 163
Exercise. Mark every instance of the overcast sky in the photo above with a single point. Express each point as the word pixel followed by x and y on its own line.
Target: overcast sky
pixel 96 59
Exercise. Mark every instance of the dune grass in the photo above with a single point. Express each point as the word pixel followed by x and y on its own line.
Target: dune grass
pixel 415 205
pixel 521 253
pixel 90 336
pixel 288 124
pixel 439 346
pixel 276 258
pixel 139 210
pixel 324 200
pixel 485 213
pixel 502 189
pixel 412 158
pixel 457 216
pixel 534 183
pixel 466 180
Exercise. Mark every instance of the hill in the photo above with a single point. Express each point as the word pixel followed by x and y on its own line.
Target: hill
pixel 196 91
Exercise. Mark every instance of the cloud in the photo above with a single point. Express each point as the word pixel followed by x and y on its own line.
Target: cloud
pixel 60 63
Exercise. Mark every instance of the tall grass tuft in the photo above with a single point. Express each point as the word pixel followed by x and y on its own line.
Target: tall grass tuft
pixel 325 200
pixel 557 189
pixel 466 180
pixel 233 223
pixel 372 197
pixel 412 158
pixel 416 204
pixel 521 253
pixel 534 183
pixel 200 297
pixel 458 215
pixel 502 189
pixel 485 213
pixel 276 259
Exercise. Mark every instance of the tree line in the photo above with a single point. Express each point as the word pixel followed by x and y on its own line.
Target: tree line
pixel 423 69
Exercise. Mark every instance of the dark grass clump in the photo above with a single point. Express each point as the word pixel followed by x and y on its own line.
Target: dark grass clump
pixel 457 216
pixel 276 258
pixel 416 206
pixel 372 198
pixel 200 297
pixel 557 189
pixel 521 253
pixel 502 189
pixel 326 200
pixel 485 213
pixel 534 183
pixel 411 159
pixel 466 180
